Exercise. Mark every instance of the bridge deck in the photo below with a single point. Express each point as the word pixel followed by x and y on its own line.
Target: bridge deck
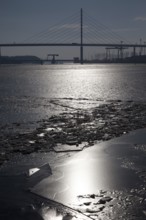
pixel 71 45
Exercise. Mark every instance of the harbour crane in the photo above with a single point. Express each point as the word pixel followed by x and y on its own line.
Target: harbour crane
pixel 53 61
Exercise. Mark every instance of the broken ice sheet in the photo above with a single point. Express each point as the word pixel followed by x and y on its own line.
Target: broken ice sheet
pixel 32 142
pixel 68 148
pixel 41 135
pixel 32 171
pixel 38 174
pixel 53 129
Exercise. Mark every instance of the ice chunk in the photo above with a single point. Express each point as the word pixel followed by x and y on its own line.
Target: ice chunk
pixel 38 174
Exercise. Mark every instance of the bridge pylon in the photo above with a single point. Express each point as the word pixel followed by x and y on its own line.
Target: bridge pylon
pixel 81 47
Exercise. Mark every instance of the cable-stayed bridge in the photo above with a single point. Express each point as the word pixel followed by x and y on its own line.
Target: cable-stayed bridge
pixel 79 30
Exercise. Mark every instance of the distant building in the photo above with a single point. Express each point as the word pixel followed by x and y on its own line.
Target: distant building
pixel 19 59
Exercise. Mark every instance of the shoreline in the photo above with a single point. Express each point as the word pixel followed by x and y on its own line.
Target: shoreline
pixel 61 137
pixel 75 128
pixel 121 156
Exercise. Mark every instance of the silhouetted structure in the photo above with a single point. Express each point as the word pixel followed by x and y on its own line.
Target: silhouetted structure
pixel 53 61
pixel 20 60
pixel 82 42
pixel 81 47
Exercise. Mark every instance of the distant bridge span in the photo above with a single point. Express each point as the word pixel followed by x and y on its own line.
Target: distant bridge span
pixel 119 46
pixel 71 45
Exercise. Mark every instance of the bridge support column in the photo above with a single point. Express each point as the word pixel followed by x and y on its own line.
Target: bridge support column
pixel 81 55
pixel 81 47
pixel 134 51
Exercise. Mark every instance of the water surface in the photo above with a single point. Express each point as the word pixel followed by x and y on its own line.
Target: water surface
pixel 26 90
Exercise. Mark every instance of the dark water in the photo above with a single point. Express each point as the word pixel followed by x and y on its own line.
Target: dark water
pixel 25 91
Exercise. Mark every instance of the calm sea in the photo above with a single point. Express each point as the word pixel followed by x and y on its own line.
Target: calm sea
pixel 26 90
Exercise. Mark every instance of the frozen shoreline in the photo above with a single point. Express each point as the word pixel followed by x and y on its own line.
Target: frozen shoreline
pixel 119 178
pixel 60 137
pixel 76 128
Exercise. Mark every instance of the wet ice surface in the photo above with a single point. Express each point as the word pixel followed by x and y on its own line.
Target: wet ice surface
pixel 120 173
pixel 113 188
pixel 110 187
pixel 16 200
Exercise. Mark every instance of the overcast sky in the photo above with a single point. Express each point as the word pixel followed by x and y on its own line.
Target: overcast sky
pixel 21 19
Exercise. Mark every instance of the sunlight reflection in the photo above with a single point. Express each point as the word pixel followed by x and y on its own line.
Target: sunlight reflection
pixel 51 214
pixel 82 178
